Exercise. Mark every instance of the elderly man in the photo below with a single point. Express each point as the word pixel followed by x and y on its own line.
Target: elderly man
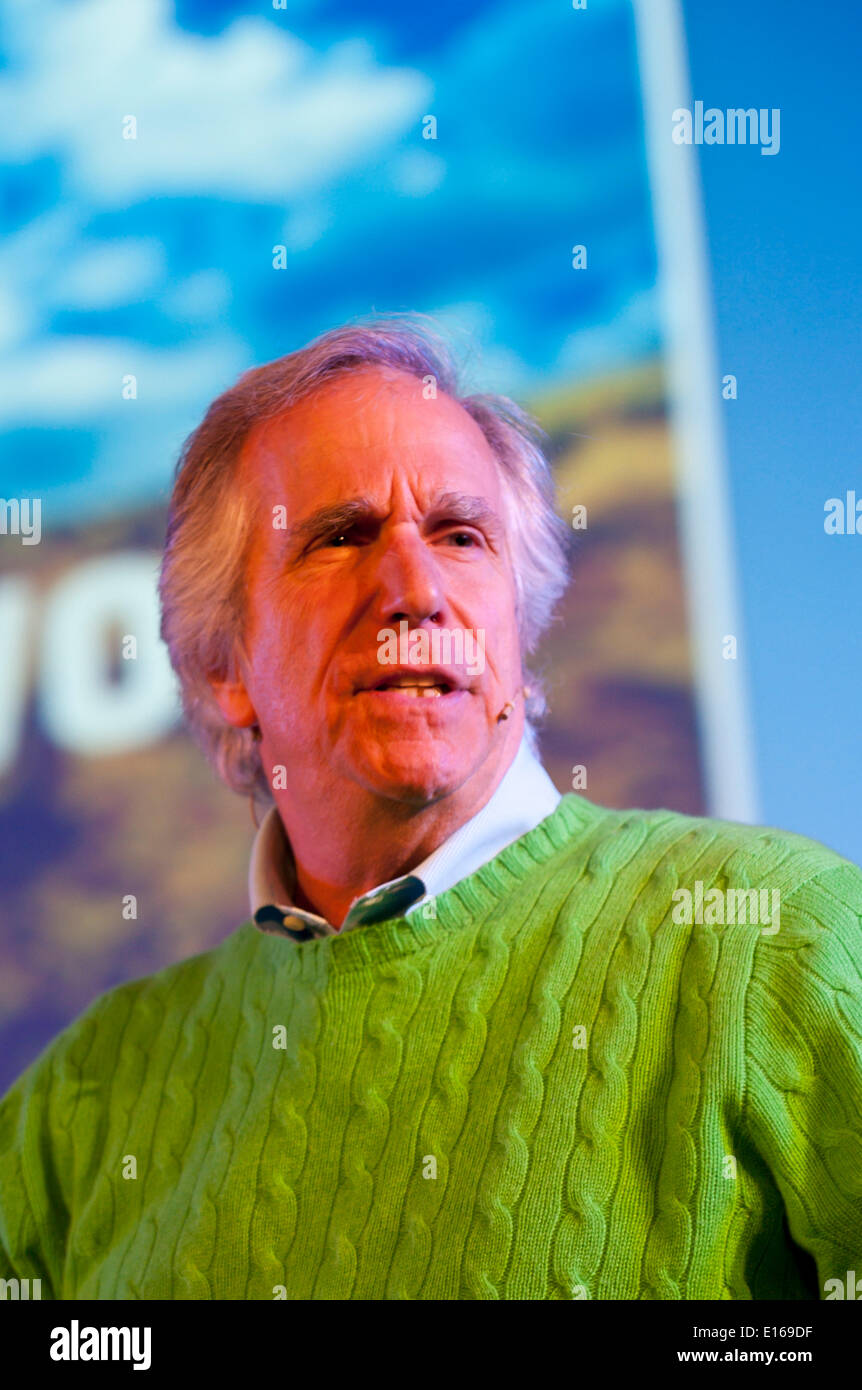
pixel 479 1040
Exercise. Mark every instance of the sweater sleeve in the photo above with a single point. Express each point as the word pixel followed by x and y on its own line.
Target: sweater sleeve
pixel 803 1105
pixel 32 1210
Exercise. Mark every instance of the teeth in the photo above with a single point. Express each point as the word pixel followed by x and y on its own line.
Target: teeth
pixel 425 691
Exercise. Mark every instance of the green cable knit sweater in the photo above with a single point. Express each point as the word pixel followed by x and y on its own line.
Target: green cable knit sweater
pixel 552 1090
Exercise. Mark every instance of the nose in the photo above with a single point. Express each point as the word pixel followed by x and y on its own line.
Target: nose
pixel 408 580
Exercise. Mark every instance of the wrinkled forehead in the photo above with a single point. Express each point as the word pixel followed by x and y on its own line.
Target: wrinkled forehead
pixel 375 431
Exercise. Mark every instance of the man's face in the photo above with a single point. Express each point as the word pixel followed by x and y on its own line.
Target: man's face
pixel 380 508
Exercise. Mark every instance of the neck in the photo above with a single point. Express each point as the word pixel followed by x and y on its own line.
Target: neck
pixel 346 840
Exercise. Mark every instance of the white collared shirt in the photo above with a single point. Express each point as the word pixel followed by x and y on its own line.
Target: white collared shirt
pixel 524 798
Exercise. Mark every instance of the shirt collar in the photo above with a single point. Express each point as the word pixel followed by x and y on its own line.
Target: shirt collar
pixel 525 796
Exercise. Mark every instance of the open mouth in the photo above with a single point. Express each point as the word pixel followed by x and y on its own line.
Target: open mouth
pixel 415 689
pixel 402 684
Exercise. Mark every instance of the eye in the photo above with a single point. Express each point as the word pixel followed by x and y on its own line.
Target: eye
pixel 463 539
pixel 337 540
pixel 359 532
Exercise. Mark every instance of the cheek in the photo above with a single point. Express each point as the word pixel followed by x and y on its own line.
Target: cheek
pixel 267 642
pixel 288 645
pixel 495 612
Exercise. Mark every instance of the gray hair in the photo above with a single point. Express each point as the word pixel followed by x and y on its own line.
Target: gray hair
pixel 211 522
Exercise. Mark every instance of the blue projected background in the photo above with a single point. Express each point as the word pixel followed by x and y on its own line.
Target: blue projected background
pixel 784 237
pixel 189 189
pixel 302 127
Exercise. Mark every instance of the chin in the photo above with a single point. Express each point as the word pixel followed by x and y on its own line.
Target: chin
pixel 415 772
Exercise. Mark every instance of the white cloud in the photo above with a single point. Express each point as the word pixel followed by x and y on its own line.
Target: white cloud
pixel 307 224
pixel 622 337
pixel 31 259
pixel 199 298
pixel 251 114
pixel 418 172
pixel 109 273
pixel 75 381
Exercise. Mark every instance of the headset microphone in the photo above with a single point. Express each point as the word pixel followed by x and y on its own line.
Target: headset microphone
pixel 510 705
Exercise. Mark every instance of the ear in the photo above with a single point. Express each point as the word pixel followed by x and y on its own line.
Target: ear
pixel 233 700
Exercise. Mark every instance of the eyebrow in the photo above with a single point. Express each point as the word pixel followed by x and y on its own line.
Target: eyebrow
pixel 336 517
pixel 461 506
pixel 340 516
